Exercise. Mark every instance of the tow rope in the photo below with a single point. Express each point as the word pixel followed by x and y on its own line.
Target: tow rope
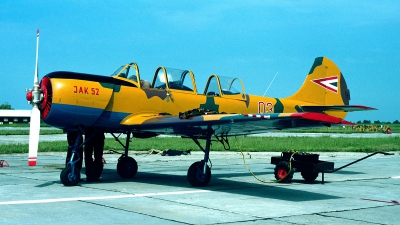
pixel 259 179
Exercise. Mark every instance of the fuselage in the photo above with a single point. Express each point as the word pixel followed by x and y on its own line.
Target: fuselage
pixel 123 101
pixel 104 102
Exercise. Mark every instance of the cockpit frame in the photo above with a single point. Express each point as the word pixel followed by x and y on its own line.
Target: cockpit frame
pixel 175 79
pixel 221 86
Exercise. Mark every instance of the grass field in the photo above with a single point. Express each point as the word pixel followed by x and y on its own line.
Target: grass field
pixel 270 144
pixel 360 128
pixel 252 144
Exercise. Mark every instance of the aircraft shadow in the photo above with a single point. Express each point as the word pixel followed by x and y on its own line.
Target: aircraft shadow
pixel 219 184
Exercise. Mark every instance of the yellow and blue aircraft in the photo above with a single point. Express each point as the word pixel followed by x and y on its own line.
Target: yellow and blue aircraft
pixel 171 103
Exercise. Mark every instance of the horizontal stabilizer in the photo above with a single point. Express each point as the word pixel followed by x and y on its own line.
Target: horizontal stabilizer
pixel 320 117
pixel 337 108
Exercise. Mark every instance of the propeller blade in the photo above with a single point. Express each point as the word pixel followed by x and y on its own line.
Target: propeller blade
pixel 34 131
pixel 34 128
pixel 35 79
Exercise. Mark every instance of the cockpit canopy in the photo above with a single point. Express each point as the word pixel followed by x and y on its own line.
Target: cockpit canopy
pixel 174 79
pixel 129 71
pixel 221 85
pixel 183 80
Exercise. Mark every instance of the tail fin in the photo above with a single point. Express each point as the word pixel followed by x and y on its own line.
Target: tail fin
pixel 324 85
pixel 325 91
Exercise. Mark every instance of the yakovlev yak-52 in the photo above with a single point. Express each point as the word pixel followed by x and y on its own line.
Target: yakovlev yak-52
pixel 172 104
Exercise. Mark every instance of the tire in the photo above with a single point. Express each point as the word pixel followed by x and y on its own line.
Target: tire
pixel 127 167
pixel 69 179
pixel 309 176
pixel 196 177
pixel 283 173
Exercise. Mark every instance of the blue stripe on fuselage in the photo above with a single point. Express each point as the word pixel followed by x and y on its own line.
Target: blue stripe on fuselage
pixel 68 117
pixel 110 121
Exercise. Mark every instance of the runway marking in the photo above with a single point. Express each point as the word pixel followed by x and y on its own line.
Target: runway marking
pixel 53 200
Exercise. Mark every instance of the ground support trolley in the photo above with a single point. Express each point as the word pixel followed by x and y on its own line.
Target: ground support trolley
pixel 307 164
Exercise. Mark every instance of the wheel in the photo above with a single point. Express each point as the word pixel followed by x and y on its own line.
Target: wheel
pixel 127 167
pixel 68 178
pixel 283 173
pixel 309 176
pixel 196 177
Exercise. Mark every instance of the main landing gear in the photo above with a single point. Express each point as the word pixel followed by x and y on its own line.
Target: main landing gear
pixel 127 167
pixel 70 176
pixel 198 174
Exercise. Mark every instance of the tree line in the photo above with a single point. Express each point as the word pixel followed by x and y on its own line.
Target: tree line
pixel 377 122
pixel 6 105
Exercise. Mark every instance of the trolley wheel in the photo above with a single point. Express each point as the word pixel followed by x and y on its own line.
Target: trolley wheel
pixel 68 178
pixel 309 176
pixel 282 172
pixel 127 167
pixel 196 177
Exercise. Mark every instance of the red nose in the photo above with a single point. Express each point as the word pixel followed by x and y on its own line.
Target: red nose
pixel 29 96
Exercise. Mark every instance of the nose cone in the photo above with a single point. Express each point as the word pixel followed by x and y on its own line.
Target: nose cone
pixel 29 96
pixel 46 90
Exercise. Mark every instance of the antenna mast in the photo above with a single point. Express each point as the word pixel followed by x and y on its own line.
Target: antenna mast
pixel 270 84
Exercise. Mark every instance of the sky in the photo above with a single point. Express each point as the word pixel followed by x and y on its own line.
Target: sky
pixel 253 40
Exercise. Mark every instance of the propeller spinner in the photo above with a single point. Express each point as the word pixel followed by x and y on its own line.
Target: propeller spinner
pixel 34 97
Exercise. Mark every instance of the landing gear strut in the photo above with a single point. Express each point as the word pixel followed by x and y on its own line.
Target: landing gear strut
pixel 127 167
pixel 199 173
pixel 70 175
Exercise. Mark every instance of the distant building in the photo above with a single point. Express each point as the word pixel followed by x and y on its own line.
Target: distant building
pixel 10 116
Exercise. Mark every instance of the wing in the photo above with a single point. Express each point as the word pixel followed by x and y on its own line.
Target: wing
pixel 229 124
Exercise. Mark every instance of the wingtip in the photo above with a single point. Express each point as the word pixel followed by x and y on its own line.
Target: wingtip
pixel 366 107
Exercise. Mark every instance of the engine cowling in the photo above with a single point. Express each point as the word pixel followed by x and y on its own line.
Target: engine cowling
pixel 73 99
